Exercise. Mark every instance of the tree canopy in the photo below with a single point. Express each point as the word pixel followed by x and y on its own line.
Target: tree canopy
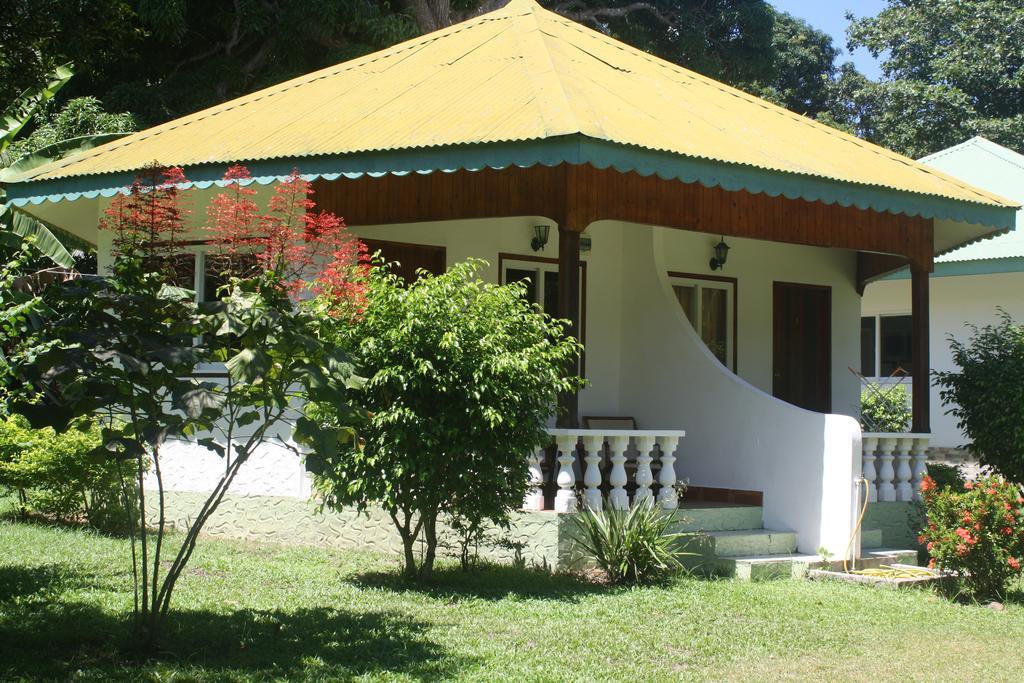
pixel 951 69
pixel 160 60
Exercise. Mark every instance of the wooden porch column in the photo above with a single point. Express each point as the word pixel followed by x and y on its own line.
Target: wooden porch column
pixel 569 309
pixel 921 370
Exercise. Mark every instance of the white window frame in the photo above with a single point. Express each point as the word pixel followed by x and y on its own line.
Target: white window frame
pixel 877 361
pixel 729 287
pixel 537 267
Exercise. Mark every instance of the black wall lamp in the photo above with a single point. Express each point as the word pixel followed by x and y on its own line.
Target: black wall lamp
pixel 721 254
pixel 540 237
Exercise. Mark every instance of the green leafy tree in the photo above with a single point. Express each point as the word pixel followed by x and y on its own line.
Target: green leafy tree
pixel 59 475
pixel 173 58
pixel 884 408
pixel 77 119
pixel 123 347
pixel 951 70
pixel 986 394
pixel 79 126
pixel 461 377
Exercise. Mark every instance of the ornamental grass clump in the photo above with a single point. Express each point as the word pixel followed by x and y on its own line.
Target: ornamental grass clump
pixel 977 532
pixel 631 546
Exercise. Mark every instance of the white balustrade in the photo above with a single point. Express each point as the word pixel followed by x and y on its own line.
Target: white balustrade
pixel 644 477
pixel 593 444
pixel 667 476
pixel 886 472
pixel 535 495
pixel 901 465
pixel 870 474
pixel 919 458
pixel 619 443
pixel 904 491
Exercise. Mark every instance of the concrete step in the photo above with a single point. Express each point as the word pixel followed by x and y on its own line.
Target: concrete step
pixel 870 539
pixel 751 542
pixel 697 517
pixel 766 567
pixel 795 565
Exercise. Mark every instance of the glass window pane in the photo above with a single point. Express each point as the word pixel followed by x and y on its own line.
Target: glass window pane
pixel 896 335
pixel 551 293
pixel 521 275
pixel 219 267
pixel 867 346
pixel 685 294
pixel 714 322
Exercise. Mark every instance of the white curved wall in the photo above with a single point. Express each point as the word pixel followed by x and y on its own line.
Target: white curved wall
pixel 737 436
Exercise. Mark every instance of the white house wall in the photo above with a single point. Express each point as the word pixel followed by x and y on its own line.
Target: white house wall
pixel 954 302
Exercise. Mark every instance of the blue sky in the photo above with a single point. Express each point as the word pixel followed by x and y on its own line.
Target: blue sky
pixel 829 16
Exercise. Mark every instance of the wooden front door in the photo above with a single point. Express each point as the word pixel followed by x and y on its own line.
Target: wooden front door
pixel 802 345
pixel 409 257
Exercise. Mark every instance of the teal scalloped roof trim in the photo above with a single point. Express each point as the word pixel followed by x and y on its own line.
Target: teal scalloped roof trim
pixel 574 149
pixel 1013 264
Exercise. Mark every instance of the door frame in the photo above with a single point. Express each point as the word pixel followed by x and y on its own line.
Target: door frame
pixel 827 289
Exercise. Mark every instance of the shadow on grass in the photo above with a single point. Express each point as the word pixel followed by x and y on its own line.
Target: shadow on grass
pixel 60 641
pixel 491 582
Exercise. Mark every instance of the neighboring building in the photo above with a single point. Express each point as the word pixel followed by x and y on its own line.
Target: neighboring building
pixel 967 287
pixel 485 138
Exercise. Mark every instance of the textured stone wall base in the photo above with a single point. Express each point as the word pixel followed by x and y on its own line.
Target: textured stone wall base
pixel 291 521
pixel 899 522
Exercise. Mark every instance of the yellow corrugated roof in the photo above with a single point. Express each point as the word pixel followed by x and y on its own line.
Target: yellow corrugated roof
pixel 516 74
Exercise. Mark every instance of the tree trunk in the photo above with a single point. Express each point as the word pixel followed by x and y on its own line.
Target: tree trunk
pixel 430 15
pixel 430 536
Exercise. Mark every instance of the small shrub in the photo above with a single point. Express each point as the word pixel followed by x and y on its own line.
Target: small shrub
pixel 630 546
pixel 60 476
pixel 947 476
pixel 986 394
pixel 977 532
pixel 884 408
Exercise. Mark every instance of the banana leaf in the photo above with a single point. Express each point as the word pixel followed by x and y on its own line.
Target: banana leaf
pixel 21 111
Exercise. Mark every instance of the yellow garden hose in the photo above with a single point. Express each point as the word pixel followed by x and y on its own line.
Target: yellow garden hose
pixel 856 528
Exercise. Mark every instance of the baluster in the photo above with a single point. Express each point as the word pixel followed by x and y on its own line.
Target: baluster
pixel 904 491
pixel 667 477
pixel 534 499
pixel 870 444
pixel 618 498
pixel 886 473
pixel 920 468
pixel 644 476
pixel 594 445
pixel 565 499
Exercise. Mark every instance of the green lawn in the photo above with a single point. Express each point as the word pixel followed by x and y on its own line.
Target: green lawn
pixel 257 613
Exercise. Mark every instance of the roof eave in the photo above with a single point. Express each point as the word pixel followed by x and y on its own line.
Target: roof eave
pixel 571 149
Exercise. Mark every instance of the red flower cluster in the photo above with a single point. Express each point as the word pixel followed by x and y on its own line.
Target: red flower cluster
pixel 304 248
pixel 148 221
pixel 977 532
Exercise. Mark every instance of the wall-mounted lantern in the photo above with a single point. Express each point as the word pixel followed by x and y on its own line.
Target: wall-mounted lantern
pixel 721 254
pixel 540 237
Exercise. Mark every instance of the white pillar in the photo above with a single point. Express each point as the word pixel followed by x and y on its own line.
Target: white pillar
pixel 868 466
pixel 565 499
pixel 904 491
pixel 618 499
pixel 919 458
pixel 594 446
pixel 667 477
pixel 886 473
pixel 534 499
pixel 644 476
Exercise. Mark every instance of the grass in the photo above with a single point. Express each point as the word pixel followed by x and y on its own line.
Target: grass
pixel 246 612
